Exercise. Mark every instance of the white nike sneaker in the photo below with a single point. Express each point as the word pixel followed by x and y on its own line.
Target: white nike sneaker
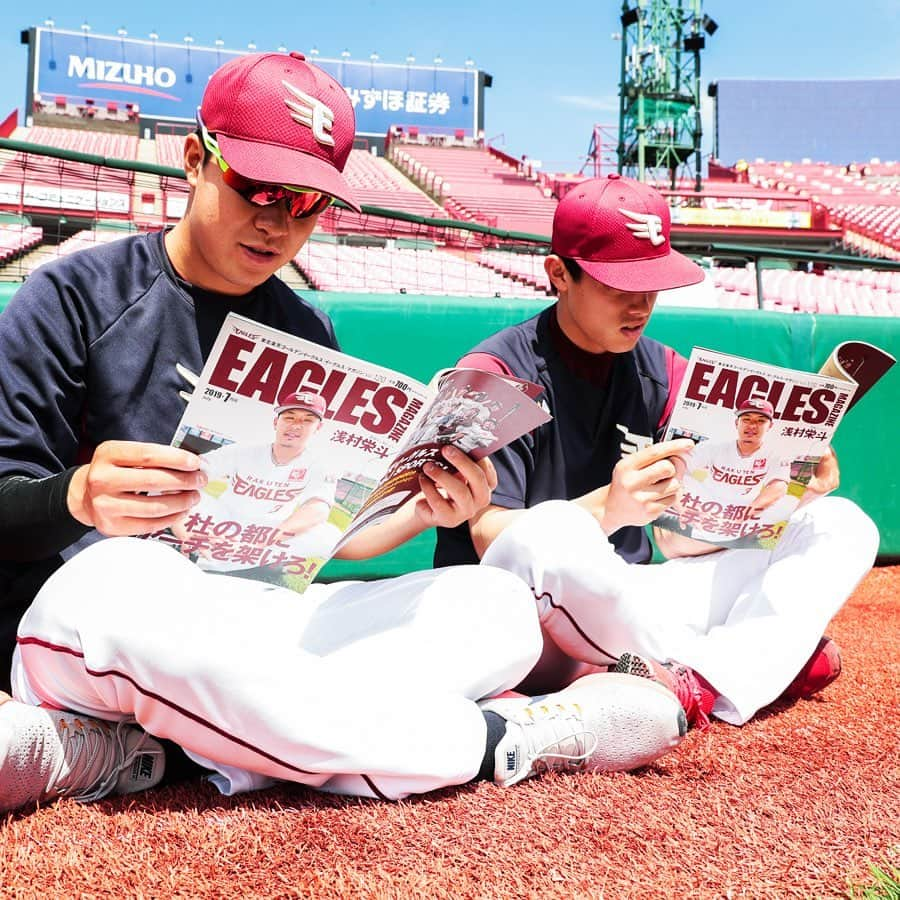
pixel 600 723
pixel 45 753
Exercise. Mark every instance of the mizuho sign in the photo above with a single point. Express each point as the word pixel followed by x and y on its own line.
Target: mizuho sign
pixel 113 72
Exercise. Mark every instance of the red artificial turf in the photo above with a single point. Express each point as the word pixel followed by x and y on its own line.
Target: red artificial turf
pixel 795 804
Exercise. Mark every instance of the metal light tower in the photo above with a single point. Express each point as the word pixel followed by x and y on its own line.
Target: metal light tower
pixel 659 89
pixel 601 150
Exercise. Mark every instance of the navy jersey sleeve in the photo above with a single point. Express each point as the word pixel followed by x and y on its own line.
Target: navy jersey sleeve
pixel 43 349
pixel 514 465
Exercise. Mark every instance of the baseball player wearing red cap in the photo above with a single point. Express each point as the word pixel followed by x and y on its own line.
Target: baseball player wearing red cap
pixel 739 471
pixel 365 688
pixel 732 627
pixel 282 484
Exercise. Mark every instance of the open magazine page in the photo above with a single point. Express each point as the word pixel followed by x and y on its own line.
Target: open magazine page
pixel 859 362
pixel 294 437
pixel 759 432
pixel 479 412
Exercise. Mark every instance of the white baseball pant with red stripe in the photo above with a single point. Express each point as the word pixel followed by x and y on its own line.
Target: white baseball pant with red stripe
pixel 746 620
pixel 364 688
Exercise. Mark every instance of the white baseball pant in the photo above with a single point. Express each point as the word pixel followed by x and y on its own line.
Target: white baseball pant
pixel 362 688
pixel 746 620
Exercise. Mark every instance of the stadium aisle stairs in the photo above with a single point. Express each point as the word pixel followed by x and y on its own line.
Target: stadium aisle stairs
pixel 28 262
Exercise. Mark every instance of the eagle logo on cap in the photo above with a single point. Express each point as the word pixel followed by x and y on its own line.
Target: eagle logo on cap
pixel 646 226
pixel 312 113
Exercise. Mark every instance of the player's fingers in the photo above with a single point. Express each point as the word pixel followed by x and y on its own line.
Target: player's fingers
pixel 667 493
pixel 433 506
pixel 125 527
pixel 490 473
pixel 450 486
pixel 461 461
pixel 143 506
pixel 138 514
pixel 662 470
pixel 656 452
pixel 460 499
pixel 138 454
pixel 481 477
pixel 113 479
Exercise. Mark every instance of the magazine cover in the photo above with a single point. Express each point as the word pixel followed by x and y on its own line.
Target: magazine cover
pixel 295 437
pixel 759 432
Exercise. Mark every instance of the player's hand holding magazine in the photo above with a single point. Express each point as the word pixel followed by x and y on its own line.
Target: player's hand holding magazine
pixel 304 447
pixel 761 433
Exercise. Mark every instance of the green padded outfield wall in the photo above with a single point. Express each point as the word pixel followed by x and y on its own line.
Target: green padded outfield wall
pixel 419 335
pixel 422 334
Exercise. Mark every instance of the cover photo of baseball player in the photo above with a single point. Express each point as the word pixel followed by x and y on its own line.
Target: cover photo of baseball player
pixel 737 474
pixel 273 497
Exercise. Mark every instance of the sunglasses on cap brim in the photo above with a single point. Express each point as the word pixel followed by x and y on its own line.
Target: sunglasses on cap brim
pixel 301 203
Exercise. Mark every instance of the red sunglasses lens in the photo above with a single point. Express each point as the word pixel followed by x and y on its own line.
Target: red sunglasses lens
pixel 307 204
pixel 260 193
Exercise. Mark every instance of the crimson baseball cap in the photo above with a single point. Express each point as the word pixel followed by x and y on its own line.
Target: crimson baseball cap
pixel 314 403
pixel 282 120
pixel 756 405
pixel 617 230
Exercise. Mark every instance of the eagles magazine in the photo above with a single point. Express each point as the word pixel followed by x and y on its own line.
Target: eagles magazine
pixel 305 446
pixel 759 432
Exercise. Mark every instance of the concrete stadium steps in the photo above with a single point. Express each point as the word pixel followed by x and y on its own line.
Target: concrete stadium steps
pixel 473 184
pixel 81 240
pixel 378 183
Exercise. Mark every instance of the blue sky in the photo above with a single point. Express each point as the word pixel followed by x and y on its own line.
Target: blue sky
pixel 555 67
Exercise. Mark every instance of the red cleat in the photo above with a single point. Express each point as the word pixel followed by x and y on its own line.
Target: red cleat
pixel 694 694
pixel 823 667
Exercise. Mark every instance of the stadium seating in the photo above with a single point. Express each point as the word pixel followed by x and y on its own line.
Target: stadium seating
pixel 867 183
pixel 169 149
pixel 82 240
pixel 525 267
pixel 377 183
pixel 862 198
pixel 862 292
pixel 93 109
pixel 476 185
pixel 339 267
pixel 99 143
pixel 16 239
pixel 169 152
pixel 871 230
pixel 41 183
